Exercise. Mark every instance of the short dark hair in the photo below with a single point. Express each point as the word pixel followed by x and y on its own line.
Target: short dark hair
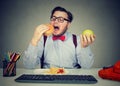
pixel 58 8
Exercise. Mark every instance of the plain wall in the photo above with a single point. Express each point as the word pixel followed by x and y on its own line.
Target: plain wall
pixel 18 18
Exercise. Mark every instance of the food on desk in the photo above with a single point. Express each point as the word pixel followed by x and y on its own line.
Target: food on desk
pixel 50 31
pixel 52 70
pixel 55 70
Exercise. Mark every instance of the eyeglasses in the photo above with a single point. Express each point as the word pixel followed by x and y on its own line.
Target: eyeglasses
pixel 59 19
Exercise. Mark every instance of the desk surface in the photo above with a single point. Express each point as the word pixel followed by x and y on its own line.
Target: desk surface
pixel 9 81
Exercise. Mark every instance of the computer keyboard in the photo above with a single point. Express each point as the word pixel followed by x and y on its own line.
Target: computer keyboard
pixel 73 79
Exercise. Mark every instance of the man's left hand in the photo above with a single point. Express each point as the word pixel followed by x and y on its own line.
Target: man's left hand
pixel 86 40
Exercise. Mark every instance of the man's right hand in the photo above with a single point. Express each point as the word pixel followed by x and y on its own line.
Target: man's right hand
pixel 38 33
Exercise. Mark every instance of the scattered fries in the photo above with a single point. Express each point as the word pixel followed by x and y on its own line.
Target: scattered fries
pixel 55 70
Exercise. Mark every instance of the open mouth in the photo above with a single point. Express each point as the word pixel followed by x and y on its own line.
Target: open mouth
pixel 56 28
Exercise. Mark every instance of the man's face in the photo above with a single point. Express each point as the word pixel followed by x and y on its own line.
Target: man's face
pixel 59 22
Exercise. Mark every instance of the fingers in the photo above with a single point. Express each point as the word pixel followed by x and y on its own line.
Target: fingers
pixel 86 40
pixel 92 38
pixel 41 29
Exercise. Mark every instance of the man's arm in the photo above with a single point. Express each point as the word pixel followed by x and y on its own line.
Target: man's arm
pixel 84 55
pixel 31 56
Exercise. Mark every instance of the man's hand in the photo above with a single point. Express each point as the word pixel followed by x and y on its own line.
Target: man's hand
pixel 38 34
pixel 86 40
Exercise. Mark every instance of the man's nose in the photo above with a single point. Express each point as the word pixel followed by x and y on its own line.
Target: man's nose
pixel 56 21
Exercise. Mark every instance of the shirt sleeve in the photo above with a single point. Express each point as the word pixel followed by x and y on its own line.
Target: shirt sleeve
pixel 84 55
pixel 32 55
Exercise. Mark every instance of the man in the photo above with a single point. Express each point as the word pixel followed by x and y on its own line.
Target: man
pixel 59 53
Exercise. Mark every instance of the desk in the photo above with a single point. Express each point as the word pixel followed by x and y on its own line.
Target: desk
pixel 9 81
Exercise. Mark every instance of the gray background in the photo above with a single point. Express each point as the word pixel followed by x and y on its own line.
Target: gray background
pixel 18 18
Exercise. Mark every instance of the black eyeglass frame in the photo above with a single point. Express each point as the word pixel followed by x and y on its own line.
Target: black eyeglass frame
pixel 59 19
